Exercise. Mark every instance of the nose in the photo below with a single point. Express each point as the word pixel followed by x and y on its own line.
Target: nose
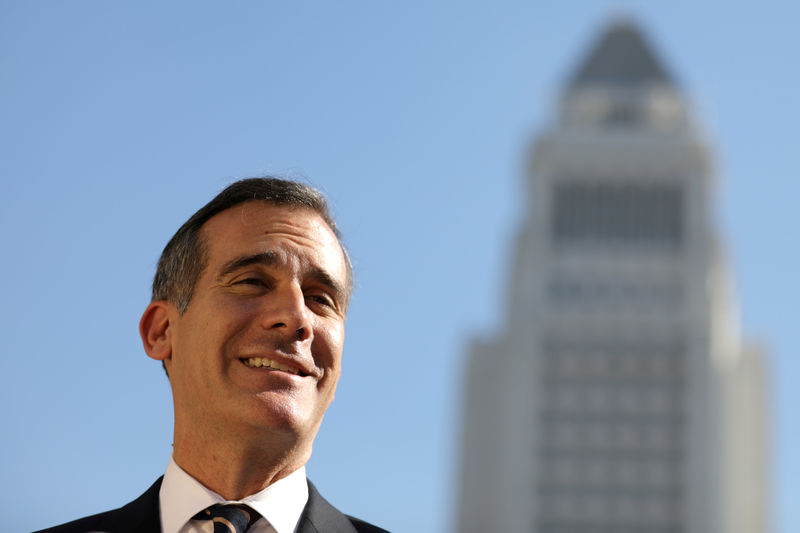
pixel 286 312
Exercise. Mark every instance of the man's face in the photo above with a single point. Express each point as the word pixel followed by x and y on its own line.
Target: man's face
pixel 260 345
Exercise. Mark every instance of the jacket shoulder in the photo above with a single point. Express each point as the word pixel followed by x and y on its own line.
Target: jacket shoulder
pixel 108 521
pixel 319 516
pixel 139 516
pixel 365 527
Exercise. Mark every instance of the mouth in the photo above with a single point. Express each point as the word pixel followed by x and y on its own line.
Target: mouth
pixel 264 362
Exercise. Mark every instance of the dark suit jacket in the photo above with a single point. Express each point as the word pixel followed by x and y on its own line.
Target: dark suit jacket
pixel 142 516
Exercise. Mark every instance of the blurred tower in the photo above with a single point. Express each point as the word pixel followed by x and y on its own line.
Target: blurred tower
pixel 618 397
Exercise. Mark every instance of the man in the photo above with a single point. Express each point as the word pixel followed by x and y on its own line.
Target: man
pixel 247 317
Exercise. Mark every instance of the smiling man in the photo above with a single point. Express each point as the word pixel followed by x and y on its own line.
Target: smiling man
pixel 247 317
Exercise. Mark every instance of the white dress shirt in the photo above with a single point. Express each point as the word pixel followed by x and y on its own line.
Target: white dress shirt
pixel 182 496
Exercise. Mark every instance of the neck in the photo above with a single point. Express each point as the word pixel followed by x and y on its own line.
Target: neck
pixel 235 469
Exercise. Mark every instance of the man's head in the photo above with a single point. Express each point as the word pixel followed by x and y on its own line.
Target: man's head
pixel 248 316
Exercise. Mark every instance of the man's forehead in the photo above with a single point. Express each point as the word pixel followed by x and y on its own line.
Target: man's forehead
pixel 258 218
pixel 247 215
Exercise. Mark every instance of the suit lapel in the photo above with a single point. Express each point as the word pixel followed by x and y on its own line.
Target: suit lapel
pixel 320 516
pixel 142 514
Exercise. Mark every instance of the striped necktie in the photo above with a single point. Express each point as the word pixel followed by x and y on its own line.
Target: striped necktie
pixel 229 518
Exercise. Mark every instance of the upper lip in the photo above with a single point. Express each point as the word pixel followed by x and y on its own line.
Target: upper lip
pixel 303 369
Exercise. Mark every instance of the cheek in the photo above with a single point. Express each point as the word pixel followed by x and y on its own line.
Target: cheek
pixel 328 345
pixel 234 322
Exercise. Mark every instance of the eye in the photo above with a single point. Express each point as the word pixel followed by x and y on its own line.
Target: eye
pixel 252 284
pixel 322 299
pixel 251 281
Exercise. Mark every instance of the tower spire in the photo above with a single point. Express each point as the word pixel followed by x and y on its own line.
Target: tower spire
pixel 621 57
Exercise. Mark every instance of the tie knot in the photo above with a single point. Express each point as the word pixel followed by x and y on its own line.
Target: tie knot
pixel 229 518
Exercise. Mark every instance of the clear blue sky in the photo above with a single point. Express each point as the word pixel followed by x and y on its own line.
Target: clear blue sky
pixel 118 120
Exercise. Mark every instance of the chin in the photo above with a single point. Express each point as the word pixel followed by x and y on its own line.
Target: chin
pixel 285 417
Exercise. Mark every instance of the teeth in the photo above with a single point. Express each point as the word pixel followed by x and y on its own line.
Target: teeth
pixel 263 362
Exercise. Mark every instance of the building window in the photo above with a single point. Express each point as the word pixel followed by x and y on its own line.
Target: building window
pixel 618 213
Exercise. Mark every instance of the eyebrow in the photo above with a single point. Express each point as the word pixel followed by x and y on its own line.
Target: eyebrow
pixel 264 259
pixel 271 259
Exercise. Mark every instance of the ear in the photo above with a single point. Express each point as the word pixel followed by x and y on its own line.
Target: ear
pixel 155 331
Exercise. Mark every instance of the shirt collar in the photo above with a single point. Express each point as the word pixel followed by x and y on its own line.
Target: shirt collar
pixel 182 496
